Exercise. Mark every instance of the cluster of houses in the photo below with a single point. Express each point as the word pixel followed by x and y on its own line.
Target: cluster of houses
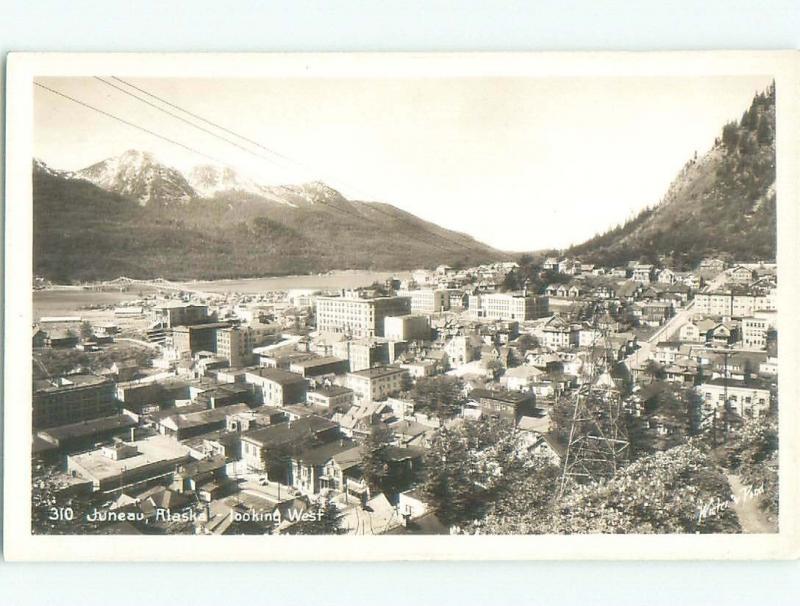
pixel 246 416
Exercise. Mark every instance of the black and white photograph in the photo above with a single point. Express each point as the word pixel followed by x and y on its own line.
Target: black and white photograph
pixel 450 304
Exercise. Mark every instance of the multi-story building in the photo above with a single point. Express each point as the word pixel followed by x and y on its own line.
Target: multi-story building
pixel 376 383
pixel 178 313
pixel 427 300
pixel 508 306
pixel 730 303
pixel 315 367
pixel 358 317
pixel 754 333
pixel 462 349
pixel 559 333
pixel 643 273
pixel 266 449
pixel 407 328
pixel 277 387
pixel 746 399
pixel 127 465
pixel 197 337
pixel 505 405
pixel 72 399
pixel 362 354
pixel 235 344
pixel 330 399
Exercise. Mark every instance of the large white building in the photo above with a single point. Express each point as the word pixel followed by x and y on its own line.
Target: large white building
pixel 744 398
pixel 508 306
pixel 427 300
pixel 376 383
pixel 235 345
pixel 754 333
pixel 407 328
pixel 734 305
pixel 358 317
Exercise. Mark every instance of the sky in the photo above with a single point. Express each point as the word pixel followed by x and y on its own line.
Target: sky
pixel 519 163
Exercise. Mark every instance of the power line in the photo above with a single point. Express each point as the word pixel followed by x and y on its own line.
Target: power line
pixel 207 121
pixel 174 115
pixel 259 145
pixel 127 122
pixel 214 159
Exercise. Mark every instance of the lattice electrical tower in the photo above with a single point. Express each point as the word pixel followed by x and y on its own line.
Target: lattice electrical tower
pixel 598 439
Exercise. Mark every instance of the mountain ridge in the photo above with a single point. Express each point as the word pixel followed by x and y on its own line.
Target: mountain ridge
pixel 722 203
pixel 132 216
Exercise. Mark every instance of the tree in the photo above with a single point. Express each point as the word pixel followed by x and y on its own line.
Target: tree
pixel 676 491
pixel 375 462
pixel 449 484
pixel 321 518
pixel 86 330
pixel 466 466
pixel 56 509
pixel 525 504
pixel 764 132
pixel 753 455
pixel 654 370
pixel 730 136
pixel 511 282
pixel 526 342
pixel 442 396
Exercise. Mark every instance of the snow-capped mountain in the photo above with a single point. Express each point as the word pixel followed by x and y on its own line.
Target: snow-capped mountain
pixel 209 180
pixel 39 165
pixel 140 176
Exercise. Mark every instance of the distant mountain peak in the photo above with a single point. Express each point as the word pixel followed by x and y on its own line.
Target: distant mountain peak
pixel 137 174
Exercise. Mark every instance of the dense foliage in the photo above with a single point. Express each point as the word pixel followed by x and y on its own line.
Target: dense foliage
pixel 723 202
pixel 675 491
pixel 441 396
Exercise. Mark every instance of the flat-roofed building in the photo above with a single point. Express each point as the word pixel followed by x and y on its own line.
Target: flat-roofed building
pixel 124 465
pixel 731 303
pixel 315 367
pixel 376 383
pixel 178 313
pixel 71 399
pixel 363 353
pixel 330 399
pixel 77 436
pixel 508 306
pixel 181 425
pixel 747 399
pixel 235 344
pixel 508 406
pixel 356 316
pixel 754 333
pixel 427 300
pixel 276 387
pixel 411 327
pixel 198 337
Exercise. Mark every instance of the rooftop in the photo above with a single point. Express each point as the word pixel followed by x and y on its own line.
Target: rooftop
pixel 194 419
pixel 331 391
pixel 500 395
pixel 151 450
pixel 736 383
pixel 88 428
pixel 282 377
pixel 378 372
pixel 76 381
pixel 318 362
pixel 285 433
